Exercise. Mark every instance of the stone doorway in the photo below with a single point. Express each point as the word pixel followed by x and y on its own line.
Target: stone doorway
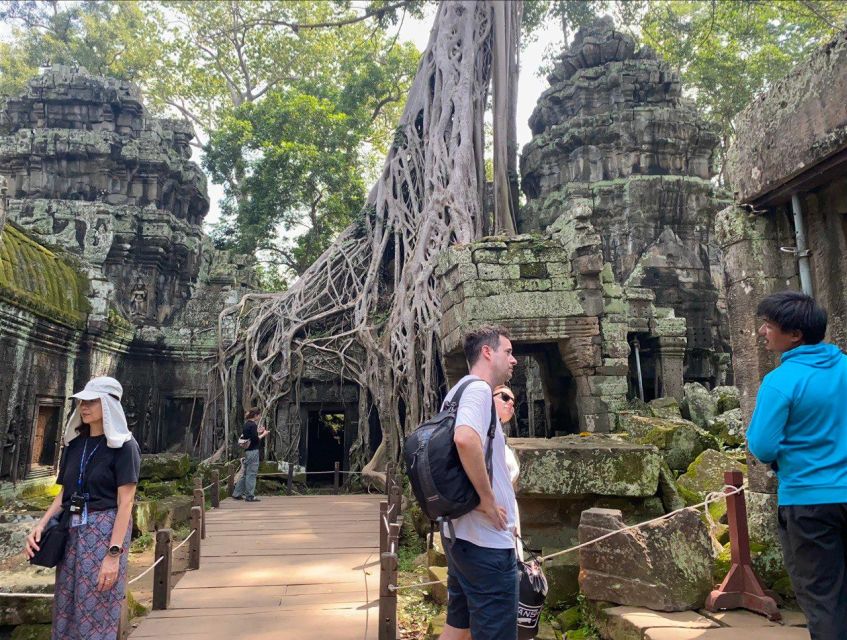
pixel 180 424
pixel 44 452
pixel 546 393
pixel 325 443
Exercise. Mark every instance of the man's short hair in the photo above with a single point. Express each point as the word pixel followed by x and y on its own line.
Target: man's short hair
pixel 795 311
pixel 486 334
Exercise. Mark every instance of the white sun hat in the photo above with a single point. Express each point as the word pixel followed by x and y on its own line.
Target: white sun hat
pixel 109 392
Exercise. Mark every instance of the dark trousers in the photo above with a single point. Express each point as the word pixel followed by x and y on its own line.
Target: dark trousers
pixel 814 543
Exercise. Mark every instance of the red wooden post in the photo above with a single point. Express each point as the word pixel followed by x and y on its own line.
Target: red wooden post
pixel 383 527
pixel 389 477
pixel 395 502
pixel 162 571
pixel 741 588
pixel 387 597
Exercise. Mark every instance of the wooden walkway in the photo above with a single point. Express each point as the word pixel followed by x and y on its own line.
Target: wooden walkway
pixel 285 567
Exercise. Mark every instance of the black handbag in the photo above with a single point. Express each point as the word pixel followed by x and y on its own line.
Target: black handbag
pixel 532 594
pixel 51 547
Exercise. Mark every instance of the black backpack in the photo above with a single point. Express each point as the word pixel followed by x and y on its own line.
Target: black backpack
pixel 439 482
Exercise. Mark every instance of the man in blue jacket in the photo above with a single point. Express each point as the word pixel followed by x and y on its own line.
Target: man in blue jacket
pixel 800 427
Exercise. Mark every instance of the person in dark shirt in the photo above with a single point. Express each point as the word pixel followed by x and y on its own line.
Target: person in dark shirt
pixel 246 485
pixel 98 473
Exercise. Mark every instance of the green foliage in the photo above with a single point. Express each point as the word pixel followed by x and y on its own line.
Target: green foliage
pixel 142 543
pixel 120 39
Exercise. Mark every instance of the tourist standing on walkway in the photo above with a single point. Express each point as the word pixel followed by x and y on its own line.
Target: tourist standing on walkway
pixel 245 488
pixel 98 473
pixel 800 426
pixel 482 581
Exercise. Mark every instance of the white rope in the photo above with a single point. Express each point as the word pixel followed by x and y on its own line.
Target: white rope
pixel 728 491
pixel 417 585
pixel 25 595
pixel 146 571
pixel 188 537
pixel 209 486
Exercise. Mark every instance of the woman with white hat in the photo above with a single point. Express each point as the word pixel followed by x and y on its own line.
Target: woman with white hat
pixel 98 473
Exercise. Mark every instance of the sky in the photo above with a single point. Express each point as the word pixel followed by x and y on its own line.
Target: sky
pixel 529 90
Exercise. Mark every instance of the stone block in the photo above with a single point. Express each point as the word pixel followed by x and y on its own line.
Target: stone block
pixel 680 441
pixel 630 623
pixel 665 408
pixel 21 611
pixel 164 466
pixel 706 474
pixel 562 578
pixel 32 632
pixel 438 592
pixel 574 465
pixel 435 556
pixel 729 428
pixel 666 566
pixel 498 271
pixel 698 405
pixel 727 398
pixel 150 515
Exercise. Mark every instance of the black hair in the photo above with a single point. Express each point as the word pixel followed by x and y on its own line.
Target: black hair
pixel 486 334
pixel 795 311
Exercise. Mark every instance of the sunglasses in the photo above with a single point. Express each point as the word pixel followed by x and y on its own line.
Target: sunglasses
pixel 505 397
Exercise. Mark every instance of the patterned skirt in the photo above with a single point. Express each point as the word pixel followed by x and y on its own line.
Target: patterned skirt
pixel 80 612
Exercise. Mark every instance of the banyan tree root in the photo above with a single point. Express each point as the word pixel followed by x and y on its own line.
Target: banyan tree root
pixel 367 310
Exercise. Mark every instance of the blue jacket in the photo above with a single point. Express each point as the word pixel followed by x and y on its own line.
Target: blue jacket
pixel 800 422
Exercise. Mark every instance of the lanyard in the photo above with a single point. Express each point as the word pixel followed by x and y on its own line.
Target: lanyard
pixel 83 463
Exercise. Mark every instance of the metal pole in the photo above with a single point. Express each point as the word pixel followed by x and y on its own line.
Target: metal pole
pixel 802 248
pixel 637 346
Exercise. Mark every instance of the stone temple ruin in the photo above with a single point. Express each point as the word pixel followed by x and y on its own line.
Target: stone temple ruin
pixel 618 245
pixel 105 267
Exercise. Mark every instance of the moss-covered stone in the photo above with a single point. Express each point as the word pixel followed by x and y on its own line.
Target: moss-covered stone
pixel 728 427
pixel 40 280
pixel 569 619
pixel 134 607
pixel 574 465
pixel 706 474
pixel 150 515
pixel 151 489
pixel 726 398
pixel 32 632
pixel 665 408
pixel 680 441
pixel 698 405
pixel 165 466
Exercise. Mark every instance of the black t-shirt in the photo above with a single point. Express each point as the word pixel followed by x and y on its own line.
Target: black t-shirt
pixel 107 470
pixel 251 431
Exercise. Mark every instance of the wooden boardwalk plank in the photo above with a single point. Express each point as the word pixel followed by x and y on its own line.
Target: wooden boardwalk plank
pixel 286 567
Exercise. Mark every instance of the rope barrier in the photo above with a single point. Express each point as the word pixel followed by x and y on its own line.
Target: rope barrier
pixel 187 538
pixel 146 571
pixel 711 498
pixel 25 595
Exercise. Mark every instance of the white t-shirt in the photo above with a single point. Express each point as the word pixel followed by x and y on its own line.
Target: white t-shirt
pixel 475 412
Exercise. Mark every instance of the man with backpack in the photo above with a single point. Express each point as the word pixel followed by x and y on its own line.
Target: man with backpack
pixel 482 581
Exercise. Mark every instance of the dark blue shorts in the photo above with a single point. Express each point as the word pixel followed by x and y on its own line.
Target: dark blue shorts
pixel 482 585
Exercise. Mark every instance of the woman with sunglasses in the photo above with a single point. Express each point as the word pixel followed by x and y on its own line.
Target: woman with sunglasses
pixel 504 403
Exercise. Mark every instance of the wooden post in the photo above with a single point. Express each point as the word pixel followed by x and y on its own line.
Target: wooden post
pixel 216 489
pixel 395 503
pixel 230 482
pixel 162 571
pixel 383 528
pixel 200 501
pixel 123 621
pixel 194 543
pixel 290 479
pixel 335 478
pixel 389 477
pixel 198 481
pixel 387 578
pixel 741 588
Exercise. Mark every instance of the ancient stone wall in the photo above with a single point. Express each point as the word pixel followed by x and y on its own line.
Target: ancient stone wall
pixel 90 173
pixel 614 130
pixel 791 141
